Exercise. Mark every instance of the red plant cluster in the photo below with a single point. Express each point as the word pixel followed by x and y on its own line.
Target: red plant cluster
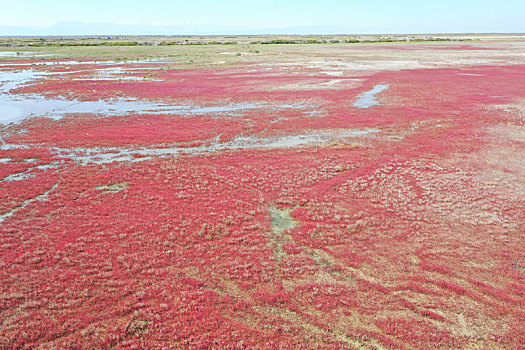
pixel 408 238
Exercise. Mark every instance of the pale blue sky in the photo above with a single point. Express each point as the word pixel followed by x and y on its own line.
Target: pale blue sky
pixel 372 16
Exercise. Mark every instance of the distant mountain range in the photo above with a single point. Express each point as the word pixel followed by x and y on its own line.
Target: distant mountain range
pixel 82 28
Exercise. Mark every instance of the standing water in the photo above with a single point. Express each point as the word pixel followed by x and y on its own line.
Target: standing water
pixel 368 99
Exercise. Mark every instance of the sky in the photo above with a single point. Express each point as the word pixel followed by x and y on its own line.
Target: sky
pixel 235 16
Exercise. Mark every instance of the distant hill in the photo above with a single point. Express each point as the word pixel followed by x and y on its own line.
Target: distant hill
pixel 82 28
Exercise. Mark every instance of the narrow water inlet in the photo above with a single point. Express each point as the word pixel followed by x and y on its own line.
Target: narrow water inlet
pixel 24 54
pixel 100 155
pixel 368 98
pixel 17 107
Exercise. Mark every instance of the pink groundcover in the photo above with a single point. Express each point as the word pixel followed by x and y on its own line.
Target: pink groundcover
pixel 257 207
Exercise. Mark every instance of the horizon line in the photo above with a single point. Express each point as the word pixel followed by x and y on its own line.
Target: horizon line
pixel 266 34
pixel 83 29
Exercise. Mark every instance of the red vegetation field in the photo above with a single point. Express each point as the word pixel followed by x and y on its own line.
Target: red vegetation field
pixel 400 226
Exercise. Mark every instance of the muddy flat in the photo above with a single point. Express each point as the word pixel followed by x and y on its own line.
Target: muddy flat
pixel 237 193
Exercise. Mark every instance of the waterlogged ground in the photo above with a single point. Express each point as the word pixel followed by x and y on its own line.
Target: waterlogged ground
pixel 302 196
